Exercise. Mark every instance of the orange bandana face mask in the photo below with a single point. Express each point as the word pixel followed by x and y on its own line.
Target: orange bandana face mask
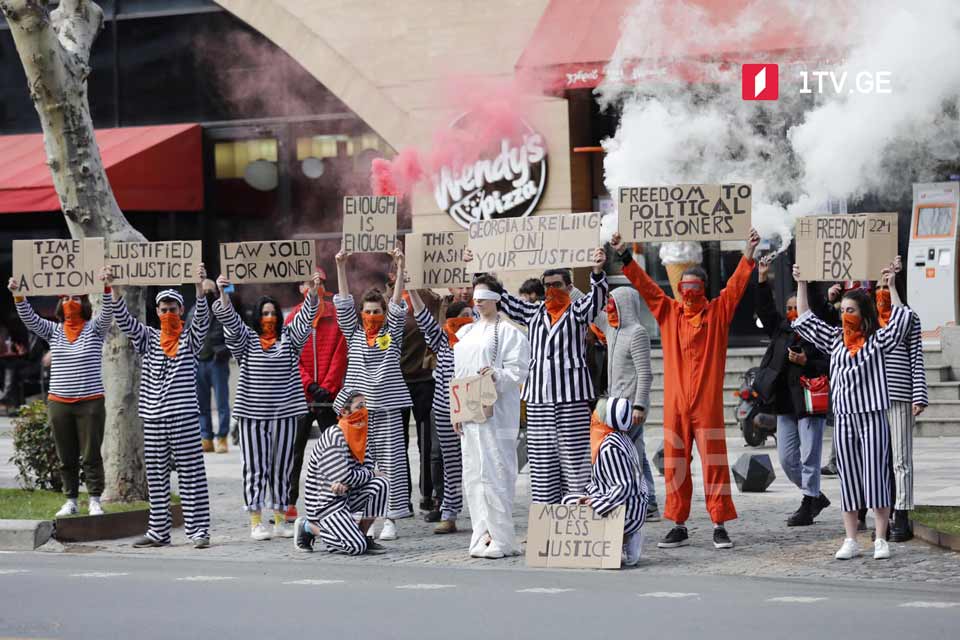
pixel 598 431
pixel 884 306
pixel 268 327
pixel 792 315
pixel 73 321
pixel 321 292
pixel 613 316
pixel 694 301
pixel 354 427
pixel 372 324
pixel 853 337
pixel 558 301
pixel 452 325
pixel 171 326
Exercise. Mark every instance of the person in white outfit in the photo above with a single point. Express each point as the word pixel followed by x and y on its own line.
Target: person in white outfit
pixel 492 343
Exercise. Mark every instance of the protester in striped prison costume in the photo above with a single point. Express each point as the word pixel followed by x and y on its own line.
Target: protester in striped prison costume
pixel 342 481
pixel 374 343
pixel 907 384
pixel 76 406
pixel 559 389
pixel 860 399
pixel 441 341
pixel 269 399
pixel 171 412
pixel 616 477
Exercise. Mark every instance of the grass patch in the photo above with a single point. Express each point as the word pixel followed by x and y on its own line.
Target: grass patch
pixel 944 519
pixel 20 504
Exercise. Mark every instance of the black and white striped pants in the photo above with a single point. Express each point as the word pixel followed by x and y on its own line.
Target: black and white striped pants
pixel 267 447
pixel 339 529
pixel 170 445
pixel 900 416
pixel 386 447
pixel 452 467
pixel 558 443
pixel 634 516
pixel 862 441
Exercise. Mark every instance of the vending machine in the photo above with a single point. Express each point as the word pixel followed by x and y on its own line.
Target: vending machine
pixel 931 264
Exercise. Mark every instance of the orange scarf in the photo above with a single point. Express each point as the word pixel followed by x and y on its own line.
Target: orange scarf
pixel 853 337
pixel 694 302
pixel 321 305
pixel 613 316
pixel 598 431
pixel 73 321
pixel 597 332
pixel 354 427
pixel 884 306
pixel 171 326
pixel 452 325
pixel 792 315
pixel 268 335
pixel 372 325
pixel 558 301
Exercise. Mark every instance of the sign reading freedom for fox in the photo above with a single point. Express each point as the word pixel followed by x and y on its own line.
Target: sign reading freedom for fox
pixel 685 212
pixel 435 260
pixel 58 267
pixel 573 536
pixel 268 261
pixel 845 247
pixel 537 242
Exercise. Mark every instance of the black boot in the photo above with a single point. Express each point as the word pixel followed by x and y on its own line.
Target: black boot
pixel 819 504
pixel 900 527
pixel 803 516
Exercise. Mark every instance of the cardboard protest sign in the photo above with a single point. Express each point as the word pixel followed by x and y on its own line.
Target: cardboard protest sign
pixel 515 244
pixel 684 212
pixel 573 536
pixel 435 260
pixel 468 397
pixel 845 247
pixel 58 266
pixel 154 263
pixel 268 261
pixel 369 224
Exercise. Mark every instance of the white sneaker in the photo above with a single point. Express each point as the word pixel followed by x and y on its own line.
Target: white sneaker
pixel 632 548
pixel 493 551
pixel 881 550
pixel 389 531
pixel 260 532
pixel 850 549
pixel 282 530
pixel 69 508
pixel 95 509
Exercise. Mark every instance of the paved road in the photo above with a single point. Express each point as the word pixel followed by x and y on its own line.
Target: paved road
pixel 97 596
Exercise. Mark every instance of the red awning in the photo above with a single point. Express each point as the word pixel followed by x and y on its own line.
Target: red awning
pixel 575 39
pixel 150 169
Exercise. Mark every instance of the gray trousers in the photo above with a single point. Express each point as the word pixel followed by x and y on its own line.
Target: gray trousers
pixel 900 417
pixel 636 434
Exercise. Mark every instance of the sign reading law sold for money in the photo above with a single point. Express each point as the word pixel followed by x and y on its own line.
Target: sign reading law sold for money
pixel 58 267
pixel 845 247
pixel 684 212
pixel 537 242
pixel 268 261
pixel 574 536
pixel 369 224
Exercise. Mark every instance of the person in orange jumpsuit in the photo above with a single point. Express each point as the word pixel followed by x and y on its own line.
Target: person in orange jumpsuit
pixel 694 338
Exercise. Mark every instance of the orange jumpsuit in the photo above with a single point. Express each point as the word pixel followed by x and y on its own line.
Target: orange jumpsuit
pixel 694 362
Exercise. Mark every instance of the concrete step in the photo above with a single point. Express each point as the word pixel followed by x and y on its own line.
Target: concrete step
pixel 938 391
pixel 937 427
pixel 655 412
pixel 943 410
pixel 938 374
pixel 934 359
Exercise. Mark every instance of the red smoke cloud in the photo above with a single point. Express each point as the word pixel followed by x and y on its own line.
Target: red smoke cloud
pixel 396 177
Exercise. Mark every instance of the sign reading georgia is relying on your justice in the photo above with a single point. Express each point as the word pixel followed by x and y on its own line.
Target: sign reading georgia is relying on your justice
pixel 537 242
pixel 506 182
pixel 685 212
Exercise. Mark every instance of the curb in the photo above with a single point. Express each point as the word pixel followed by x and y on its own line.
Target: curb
pixel 936 538
pixel 109 526
pixel 25 534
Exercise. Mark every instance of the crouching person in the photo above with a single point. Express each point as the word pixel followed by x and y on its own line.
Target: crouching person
pixel 616 477
pixel 341 482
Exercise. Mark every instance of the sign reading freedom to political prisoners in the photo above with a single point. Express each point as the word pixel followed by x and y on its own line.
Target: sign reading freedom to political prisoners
pixel 268 261
pixel 574 536
pixel 154 263
pixel 512 244
pixel 435 260
pixel 684 212
pixel 58 267
pixel 845 247
pixel 369 224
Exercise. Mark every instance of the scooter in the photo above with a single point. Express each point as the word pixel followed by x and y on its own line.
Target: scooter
pixel 755 420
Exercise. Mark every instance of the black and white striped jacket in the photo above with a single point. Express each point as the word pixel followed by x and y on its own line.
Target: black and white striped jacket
pixel 331 461
pixel 617 478
pixel 168 386
pixel 858 384
pixel 438 342
pixel 906 374
pixel 558 353
pixel 269 387
pixel 374 371
pixel 76 367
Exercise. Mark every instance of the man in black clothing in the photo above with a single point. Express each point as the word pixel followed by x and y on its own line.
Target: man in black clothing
pixel 213 371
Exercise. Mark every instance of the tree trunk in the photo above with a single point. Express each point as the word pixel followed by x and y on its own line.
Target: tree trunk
pixel 54 48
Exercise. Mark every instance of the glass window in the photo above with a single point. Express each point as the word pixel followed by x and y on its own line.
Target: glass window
pixel 934 221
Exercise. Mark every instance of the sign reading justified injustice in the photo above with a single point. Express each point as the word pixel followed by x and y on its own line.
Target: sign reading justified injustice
pixel 574 536
pixel 846 246
pixel 685 212
pixel 514 244
pixel 369 224
pixel 268 261
pixel 58 267
pixel 154 263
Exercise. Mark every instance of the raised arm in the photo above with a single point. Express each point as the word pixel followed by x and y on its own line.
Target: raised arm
pixel 103 320
pixel 731 294
pixel 299 329
pixel 433 335
pixel 398 285
pixel 586 308
pixel 35 324
pixel 343 287
pixel 657 301
pixel 396 321
pixel 138 332
pixel 200 323
pixel 518 309
pixel 236 334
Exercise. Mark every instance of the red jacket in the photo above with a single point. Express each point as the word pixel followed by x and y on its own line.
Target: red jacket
pixel 324 356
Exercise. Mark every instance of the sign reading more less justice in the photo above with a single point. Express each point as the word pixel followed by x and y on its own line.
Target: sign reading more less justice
pixel 685 212
pixel 574 536
pixel 845 247
pixel 154 263
pixel 512 244
pixel 435 260
pixel 58 266
pixel 268 261
pixel 369 224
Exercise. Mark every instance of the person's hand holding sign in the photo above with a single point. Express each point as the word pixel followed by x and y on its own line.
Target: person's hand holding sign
pixel 752 242
pixel 201 275
pixel 315 283
pixel 106 275
pixel 222 284
pixel 763 267
pixel 12 285
pixel 616 241
pixel 599 259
